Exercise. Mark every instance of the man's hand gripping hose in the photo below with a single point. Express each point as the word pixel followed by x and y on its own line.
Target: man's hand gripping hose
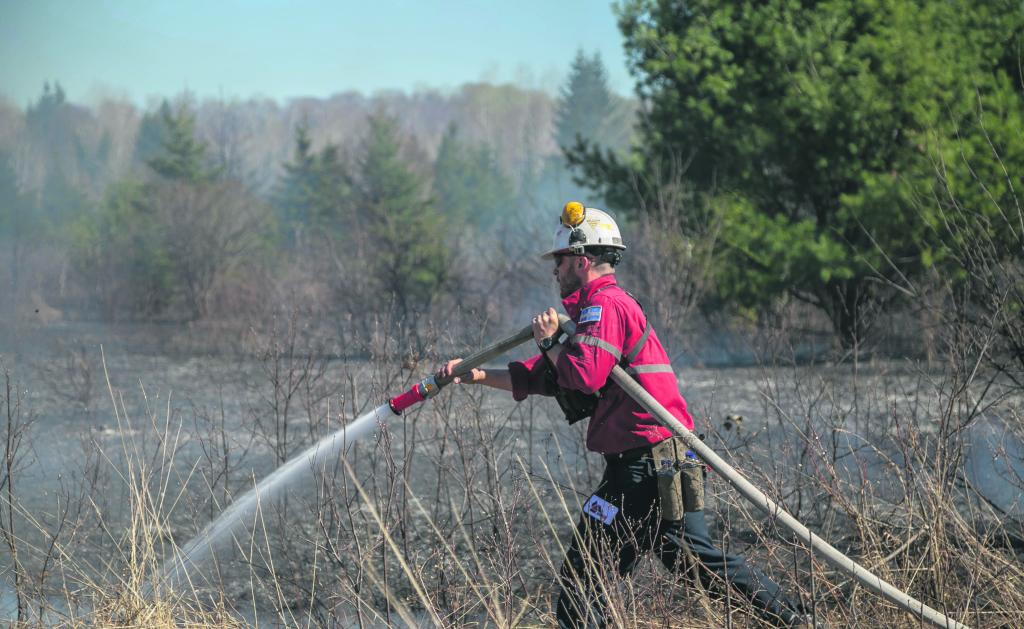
pixel 431 385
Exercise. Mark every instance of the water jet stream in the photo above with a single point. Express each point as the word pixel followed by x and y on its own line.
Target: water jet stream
pixel 247 509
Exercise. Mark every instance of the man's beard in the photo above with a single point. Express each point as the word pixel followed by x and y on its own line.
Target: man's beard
pixel 569 286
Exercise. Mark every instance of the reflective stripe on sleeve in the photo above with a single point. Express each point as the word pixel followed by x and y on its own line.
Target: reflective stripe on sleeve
pixel 649 369
pixel 584 339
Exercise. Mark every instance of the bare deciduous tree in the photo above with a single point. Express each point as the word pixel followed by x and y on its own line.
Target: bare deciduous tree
pixel 15 429
pixel 208 229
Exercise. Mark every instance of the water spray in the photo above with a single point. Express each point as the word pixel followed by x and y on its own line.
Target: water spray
pixel 247 508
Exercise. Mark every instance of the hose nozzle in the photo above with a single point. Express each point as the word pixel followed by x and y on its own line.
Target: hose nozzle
pixel 422 390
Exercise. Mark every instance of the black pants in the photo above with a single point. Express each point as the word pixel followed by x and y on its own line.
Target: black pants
pixel 637 527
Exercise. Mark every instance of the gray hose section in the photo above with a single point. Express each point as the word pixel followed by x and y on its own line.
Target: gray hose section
pixel 488 353
pixel 774 511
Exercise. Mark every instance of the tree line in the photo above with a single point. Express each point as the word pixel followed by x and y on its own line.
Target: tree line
pixel 855 159
pixel 186 228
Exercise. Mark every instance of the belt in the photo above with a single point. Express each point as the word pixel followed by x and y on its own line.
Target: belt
pixel 628 456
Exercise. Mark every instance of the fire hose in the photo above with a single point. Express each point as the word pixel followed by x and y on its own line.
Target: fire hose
pixel 429 387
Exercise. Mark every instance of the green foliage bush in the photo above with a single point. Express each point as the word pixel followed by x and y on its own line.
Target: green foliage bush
pixel 814 130
pixel 154 246
pixel 118 251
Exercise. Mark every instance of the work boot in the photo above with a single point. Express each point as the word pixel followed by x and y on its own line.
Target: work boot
pixel 792 620
pixel 789 614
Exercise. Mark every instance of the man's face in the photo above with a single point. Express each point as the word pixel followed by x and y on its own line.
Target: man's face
pixel 567 274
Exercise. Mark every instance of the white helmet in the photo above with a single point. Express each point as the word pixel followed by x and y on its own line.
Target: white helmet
pixel 580 227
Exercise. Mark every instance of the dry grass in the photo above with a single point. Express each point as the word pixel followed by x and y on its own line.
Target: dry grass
pixel 457 515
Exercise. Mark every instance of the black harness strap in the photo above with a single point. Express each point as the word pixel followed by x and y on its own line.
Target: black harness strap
pixel 633 353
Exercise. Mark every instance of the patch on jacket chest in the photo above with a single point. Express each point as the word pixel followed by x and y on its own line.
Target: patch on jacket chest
pixel 590 314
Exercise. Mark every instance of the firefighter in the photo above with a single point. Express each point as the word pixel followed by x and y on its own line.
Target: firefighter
pixel 651 495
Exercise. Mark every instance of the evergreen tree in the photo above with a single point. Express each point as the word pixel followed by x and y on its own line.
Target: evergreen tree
pixel 586 108
pixel 149 142
pixel 468 184
pixel 120 253
pixel 297 191
pixel 183 156
pixel 812 130
pixel 401 234
pixel 64 138
pixel 11 200
pixel 59 203
pixel 587 113
pixel 314 189
pixel 53 126
pixel 159 245
pixel 332 188
pixel 46 117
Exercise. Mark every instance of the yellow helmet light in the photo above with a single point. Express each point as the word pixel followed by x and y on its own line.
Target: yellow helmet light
pixel 573 214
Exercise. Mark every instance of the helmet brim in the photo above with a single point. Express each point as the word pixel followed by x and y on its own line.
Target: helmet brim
pixel 554 252
pixel 551 254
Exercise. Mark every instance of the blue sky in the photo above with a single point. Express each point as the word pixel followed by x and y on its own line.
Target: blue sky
pixel 278 49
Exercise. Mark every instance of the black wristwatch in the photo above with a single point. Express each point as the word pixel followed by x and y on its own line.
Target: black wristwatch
pixel 547 342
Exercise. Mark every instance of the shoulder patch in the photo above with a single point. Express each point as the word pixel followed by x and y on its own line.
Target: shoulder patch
pixel 590 314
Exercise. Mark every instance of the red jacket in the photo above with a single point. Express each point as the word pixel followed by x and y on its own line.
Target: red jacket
pixel 609 323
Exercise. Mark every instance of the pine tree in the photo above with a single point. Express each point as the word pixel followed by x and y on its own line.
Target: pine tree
pixel 10 197
pixel 811 132
pixel 297 190
pixel 402 233
pixel 149 142
pixel 53 126
pixel 121 254
pixel 59 202
pixel 332 189
pixel 585 107
pixel 468 183
pixel 313 191
pixel 183 156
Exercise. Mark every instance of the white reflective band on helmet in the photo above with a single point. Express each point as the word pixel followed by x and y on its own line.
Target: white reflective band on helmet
pixel 593 341
pixel 649 369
